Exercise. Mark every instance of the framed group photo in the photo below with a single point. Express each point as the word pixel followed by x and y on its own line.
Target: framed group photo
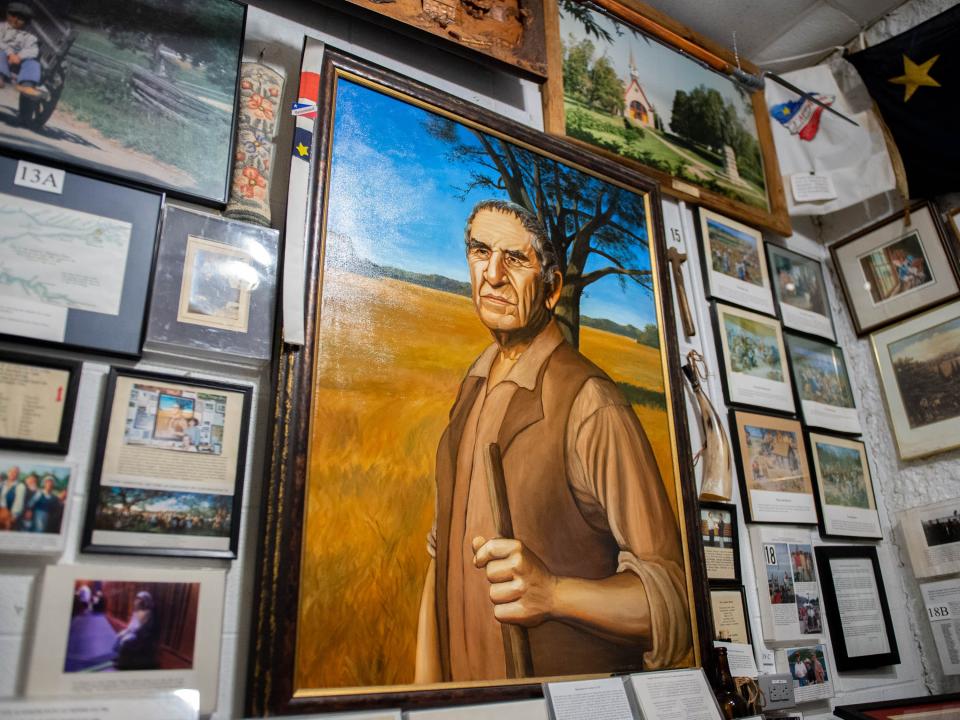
pixel 721 542
pixel 168 479
pixel 104 232
pixel 918 365
pixel 34 503
pixel 753 359
pixel 650 113
pixel 364 469
pixel 800 292
pixel 771 458
pixel 38 396
pixel 893 270
pixel 112 103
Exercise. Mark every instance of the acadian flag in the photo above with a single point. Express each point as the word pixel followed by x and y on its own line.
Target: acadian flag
pixel 298 196
pixel 915 79
pixel 801 117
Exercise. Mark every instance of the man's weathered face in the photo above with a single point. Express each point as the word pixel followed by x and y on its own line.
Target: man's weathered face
pixel 508 289
pixel 17 22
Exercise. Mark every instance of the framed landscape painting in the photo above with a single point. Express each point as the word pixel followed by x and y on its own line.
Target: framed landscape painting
pixel 918 363
pixel 137 89
pixel 475 286
pixel 625 93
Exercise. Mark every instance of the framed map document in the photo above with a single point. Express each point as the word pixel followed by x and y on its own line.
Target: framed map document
pixel 77 257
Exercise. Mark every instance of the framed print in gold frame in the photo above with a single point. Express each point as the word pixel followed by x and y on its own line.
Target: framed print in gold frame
pixel 366 594
pixel 645 111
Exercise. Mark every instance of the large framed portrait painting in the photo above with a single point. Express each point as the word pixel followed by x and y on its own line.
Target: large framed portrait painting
pixel 478 481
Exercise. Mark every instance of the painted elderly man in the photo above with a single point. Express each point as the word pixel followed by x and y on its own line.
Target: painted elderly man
pixel 596 570
pixel 19 49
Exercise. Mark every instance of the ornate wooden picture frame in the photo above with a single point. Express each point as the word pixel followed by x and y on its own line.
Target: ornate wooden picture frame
pixel 620 109
pixel 360 408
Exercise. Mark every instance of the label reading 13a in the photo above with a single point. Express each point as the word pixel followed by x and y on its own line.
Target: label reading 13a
pixel 40 177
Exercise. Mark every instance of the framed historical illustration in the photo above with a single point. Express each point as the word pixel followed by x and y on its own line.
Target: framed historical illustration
pixel 823 384
pixel 731 620
pixel 771 458
pixel 845 498
pixel 918 364
pixel 721 542
pixel 99 625
pixel 100 97
pixel 800 292
pixel 893 270
pixel 861 629
pixel 38 396
pixel 932 534
pixel 34 503
pixel 168 474
pixel 753 359
pixel 441 231
pixel 733 262
pixel 215 288
pixel 927 707
pixel 103 232
pixel 702 134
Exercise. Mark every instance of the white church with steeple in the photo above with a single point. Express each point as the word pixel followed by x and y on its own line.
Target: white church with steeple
pixel 637 108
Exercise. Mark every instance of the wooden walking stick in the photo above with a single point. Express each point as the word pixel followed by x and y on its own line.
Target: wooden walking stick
pixel 516 644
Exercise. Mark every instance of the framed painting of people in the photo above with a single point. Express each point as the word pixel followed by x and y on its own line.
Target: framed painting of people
pixel 896 268
pixel 490 377
pixel 135 89
pixel 800 292
pixel 631 83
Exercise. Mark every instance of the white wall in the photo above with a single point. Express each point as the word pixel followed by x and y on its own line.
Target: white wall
pixel 277 29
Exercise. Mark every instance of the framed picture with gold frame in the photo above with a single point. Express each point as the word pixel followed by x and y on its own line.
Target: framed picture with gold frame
pixel 648 110
pixel 362 564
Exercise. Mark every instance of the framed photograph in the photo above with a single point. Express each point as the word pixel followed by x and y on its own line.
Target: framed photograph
pixel 34 503
pixel 954 221
pixel 38 396
pixel 892 270
pixel 855 601
pixel 100 97
pixel 99 305
pixel 790 611
pixel 823 385
pixel 705 137
pixel 937 707
pixel 753 359
pixel 731 621
pixel 800 291
pixel 721 544
pixel 733 262
pixel 918 365
pixel 99 625
pixel 845 497
pixel 168 474
pixel 215 288
pixel 771 458
pixel 403 322
pixel 932 533
pixel 810 669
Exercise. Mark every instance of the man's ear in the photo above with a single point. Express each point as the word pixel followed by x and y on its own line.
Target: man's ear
pixel 553 290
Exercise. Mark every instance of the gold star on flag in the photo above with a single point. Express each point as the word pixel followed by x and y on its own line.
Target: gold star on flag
pixel 302 150
pixel 915 75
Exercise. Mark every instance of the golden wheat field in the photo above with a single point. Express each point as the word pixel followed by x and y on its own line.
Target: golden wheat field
pixel 390 360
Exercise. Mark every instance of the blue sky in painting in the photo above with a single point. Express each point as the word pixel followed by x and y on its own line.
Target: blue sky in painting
pixel 395 194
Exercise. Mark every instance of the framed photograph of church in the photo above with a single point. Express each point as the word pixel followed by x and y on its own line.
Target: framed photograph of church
pixel 442 234
pixel 630 83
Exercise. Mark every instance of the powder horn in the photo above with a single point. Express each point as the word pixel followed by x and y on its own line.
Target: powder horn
pixel 715 457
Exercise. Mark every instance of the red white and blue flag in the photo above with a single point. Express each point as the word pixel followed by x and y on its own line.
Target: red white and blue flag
pixel 801 117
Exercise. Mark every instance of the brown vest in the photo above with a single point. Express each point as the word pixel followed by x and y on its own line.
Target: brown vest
pixel 546 517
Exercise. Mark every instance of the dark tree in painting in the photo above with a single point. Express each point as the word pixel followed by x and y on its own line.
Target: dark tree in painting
pixel 588 220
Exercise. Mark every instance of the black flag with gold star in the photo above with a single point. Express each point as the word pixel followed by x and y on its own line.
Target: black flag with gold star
pixel 915 80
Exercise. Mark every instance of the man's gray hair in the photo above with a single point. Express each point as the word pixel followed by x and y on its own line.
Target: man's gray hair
pixel 546 253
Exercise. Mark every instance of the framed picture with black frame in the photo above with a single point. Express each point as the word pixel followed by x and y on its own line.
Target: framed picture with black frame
pixel 168 474
pixel 931 706
pixel 822 384
pixel 728 611
pixel 855 602
pixel 77 253
pixel 846 504
pixel 800 292
pixel 721 544
pixel 38 396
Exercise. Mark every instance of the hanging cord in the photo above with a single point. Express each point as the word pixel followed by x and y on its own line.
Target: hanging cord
pixel 751 693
